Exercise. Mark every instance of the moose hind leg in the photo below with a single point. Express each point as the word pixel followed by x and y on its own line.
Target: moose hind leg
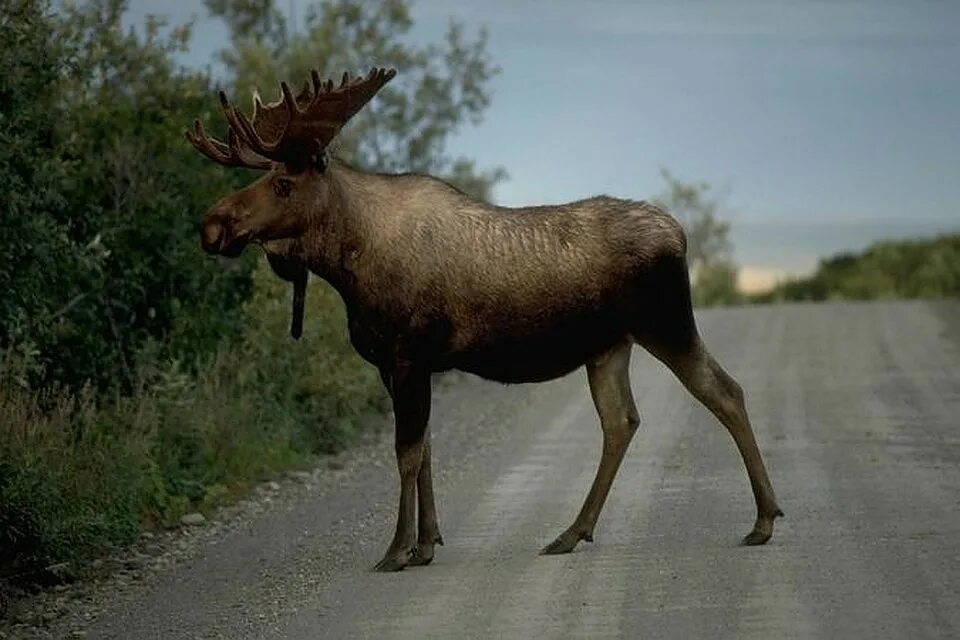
pixel 721 394
pixel 609 379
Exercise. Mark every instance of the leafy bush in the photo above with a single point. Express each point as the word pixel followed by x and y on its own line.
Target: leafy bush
pixel 715 284
pixel 890 269
pixel 99 237
pixel 76 478
pixel 43 268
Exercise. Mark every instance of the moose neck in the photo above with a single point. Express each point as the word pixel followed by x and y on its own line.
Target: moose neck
pixel 347 232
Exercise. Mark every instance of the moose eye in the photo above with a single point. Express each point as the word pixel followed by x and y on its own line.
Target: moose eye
pixel 282 187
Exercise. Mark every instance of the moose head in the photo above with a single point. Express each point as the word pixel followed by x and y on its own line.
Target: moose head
pixel 288 139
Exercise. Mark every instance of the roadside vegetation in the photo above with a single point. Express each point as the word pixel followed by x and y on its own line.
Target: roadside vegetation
pixel 903 268
pixel 139 378
pixel 928 268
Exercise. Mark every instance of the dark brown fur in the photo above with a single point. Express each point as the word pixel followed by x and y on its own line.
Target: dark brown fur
pixel 434 280
pixel 432 276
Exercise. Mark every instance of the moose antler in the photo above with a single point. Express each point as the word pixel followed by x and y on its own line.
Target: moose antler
pixel 293 128
pixel 231 154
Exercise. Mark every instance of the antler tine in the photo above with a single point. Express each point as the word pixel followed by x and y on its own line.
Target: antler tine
pixel 230 154
pixel 225 105
pixel 288 100
pixel 229 111
pixel 250 135
pixel 233 141
pixel 202 142
pixel 241 126
pixel 238 132
pixel 237 151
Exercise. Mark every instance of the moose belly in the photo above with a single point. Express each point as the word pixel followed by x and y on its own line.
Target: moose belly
pixel 540 351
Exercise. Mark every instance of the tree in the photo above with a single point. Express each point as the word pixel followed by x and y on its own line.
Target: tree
pixel 43 270
pixel 709 250
pixel 137 189
pixel 99 242
pixel 439 87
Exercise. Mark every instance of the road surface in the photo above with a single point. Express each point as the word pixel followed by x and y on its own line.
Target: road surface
pixel 857 411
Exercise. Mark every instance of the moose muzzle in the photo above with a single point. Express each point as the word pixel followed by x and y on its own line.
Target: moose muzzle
pixel 212 235
pixel 218 236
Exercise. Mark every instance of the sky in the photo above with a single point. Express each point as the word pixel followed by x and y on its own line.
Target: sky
pixel 822 125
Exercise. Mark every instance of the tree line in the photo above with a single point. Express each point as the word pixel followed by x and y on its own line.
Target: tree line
pixel 920 268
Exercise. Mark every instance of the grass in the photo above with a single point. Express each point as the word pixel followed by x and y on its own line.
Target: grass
pixel 79 476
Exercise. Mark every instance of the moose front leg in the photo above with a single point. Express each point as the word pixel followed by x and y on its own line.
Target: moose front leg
pixel 410 390
pixel 428 532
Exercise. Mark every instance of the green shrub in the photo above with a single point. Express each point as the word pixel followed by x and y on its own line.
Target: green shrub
pixel 76 479
pixel 716 285
pixel 890 269
pixel 67 487
pixel 101 199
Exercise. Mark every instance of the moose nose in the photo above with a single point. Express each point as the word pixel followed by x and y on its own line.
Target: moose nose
pixel 211 236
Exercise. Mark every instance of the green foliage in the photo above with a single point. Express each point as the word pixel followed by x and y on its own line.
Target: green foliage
pixel 43 269
pixel 716 285
pixel 709 251
pixel 76 478
pixel 69 484
pixel 890 269
pixel 99 233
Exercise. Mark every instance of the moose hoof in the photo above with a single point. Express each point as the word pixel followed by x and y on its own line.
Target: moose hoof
pixel 393 561
pixel 762 530
pixel 422 555
pixel 756 537
pixel 564 543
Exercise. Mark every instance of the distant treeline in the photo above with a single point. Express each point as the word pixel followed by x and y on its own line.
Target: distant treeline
pixel 928 268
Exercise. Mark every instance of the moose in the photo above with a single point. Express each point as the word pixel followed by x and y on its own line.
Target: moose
pixel 434 280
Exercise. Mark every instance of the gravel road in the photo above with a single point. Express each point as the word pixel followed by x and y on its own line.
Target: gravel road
pixel 856 408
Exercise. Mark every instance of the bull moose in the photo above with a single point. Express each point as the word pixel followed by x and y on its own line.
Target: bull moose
pixel 435 280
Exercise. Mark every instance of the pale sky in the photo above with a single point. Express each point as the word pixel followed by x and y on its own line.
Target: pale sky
pixel 826 124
